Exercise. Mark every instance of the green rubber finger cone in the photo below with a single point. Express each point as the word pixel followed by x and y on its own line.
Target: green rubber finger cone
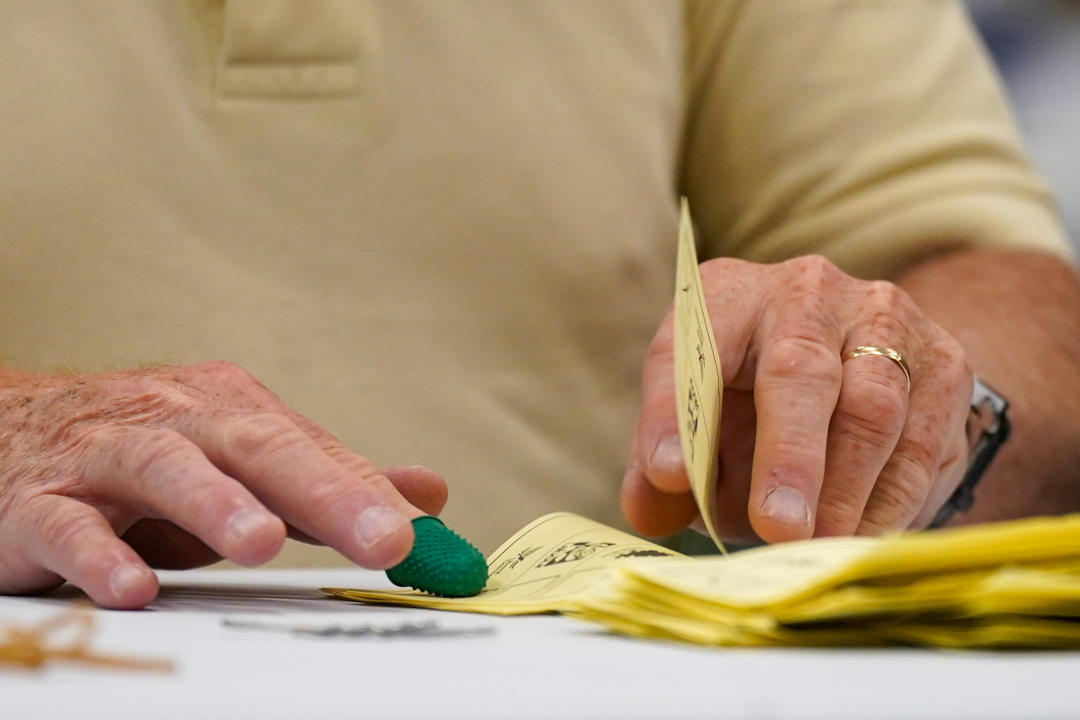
pixel 441 562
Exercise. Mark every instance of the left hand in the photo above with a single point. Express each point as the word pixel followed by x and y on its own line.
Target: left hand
pixel 809 445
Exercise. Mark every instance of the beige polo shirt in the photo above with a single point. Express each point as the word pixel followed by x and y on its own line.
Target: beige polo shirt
pixel 445 231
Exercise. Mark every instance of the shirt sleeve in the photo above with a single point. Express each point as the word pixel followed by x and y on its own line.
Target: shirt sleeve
pixel 873 132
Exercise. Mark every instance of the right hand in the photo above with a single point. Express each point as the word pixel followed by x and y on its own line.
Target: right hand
pixel 187 464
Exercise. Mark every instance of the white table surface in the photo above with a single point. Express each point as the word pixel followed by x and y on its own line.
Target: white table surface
pixel 528 667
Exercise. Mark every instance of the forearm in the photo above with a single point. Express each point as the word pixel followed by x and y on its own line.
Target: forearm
pixel 1017 315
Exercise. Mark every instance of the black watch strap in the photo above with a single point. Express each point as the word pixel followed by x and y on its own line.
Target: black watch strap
pixel 988 427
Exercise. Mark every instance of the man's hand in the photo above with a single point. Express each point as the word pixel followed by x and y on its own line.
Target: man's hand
pixel 809 445
pixel 187 464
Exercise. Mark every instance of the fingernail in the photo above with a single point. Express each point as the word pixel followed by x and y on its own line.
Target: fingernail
pixel 668 456
pixel 786 505
pixel 244 523
pixel 125 577
pixel 375 523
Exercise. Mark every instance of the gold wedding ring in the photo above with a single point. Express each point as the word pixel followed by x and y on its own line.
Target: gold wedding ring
pixel 885 352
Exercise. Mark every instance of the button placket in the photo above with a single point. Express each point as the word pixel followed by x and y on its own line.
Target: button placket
pixel 275 49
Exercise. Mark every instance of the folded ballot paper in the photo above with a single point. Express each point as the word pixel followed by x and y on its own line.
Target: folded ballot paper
pixel 1013 584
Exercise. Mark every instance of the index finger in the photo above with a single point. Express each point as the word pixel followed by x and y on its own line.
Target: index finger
pixel 421 486
pixel 356 511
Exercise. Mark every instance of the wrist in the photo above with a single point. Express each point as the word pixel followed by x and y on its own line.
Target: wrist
pixel 988 428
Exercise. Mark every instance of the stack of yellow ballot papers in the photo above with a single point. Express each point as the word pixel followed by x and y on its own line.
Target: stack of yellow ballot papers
pixel 1013 584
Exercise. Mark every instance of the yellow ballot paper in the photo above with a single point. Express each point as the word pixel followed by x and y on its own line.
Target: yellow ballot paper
pixel 699 385
pixel 550 565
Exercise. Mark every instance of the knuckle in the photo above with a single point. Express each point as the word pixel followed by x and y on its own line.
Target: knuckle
pixel 838 512
pixel 220 368
pixel 796 358
pixel 62 530
pixel 923 450
pixel 890 297
pixel 873 410
pixel 261 432
pixel 203 498
pixel 328 492
pixel 905 493
pixel 812 274
pixel 351 461
pixel 225 373
pixel 380 484
pixel 873 525
pixel 806 284
pixel 798 448
pixel 149 453
pixel 869 430
pixel 814 266
pixel 19 514
pixel 888 313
